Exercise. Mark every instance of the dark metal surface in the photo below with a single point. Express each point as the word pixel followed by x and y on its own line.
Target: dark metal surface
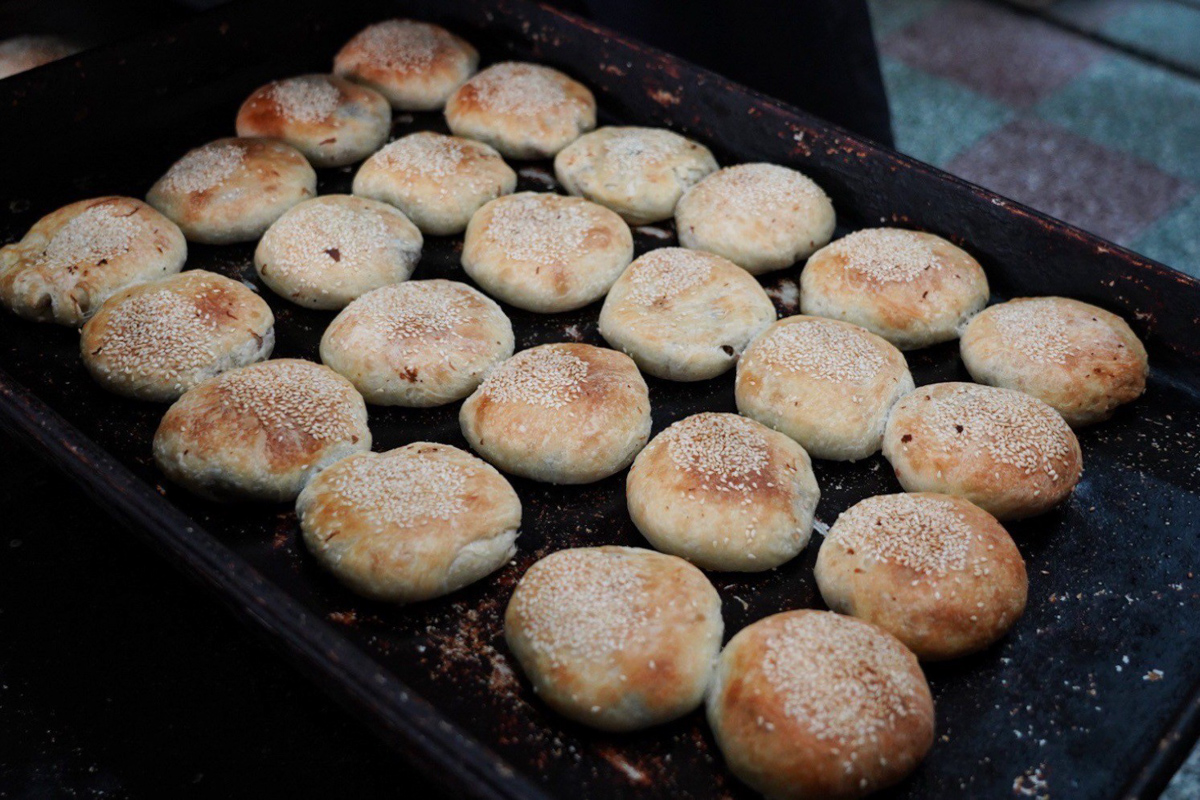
pixel 1072 698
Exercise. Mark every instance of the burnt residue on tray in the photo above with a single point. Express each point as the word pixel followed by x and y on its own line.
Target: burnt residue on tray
pixel 1072 704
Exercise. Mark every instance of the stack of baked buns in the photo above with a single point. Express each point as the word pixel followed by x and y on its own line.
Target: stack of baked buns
pixel 805 703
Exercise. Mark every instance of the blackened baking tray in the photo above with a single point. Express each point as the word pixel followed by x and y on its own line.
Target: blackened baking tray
pixel 1094 694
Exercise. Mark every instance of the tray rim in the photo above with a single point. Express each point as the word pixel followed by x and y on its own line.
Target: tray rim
pixel 428 741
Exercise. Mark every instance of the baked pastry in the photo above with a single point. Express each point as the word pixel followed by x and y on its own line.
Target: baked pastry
pixel 913 289
pixel 829 385
pixel 560 413
pixel 1083 361
pixel 1007 452
pixel 640 173
pixel 418 343
pixel 261 432
pixel 332 121
pixel 231 190
pixel 410 524
pixel 156 340
pixel 75 258
pixel 937 572
pixel 21 53
pixel 762 217
pixel 723 492
pixel 523 110
pixel 545 252
pixel 438 181
pixel 415 65
pixel 684 315
pixel 617 638
pixel 812 704
pixel 327 251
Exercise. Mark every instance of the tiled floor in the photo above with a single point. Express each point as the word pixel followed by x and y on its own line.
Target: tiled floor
pixel 1088 110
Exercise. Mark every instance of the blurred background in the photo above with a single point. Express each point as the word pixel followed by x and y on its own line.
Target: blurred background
pixel 119 680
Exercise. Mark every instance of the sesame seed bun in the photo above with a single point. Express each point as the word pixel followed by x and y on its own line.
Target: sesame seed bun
pixel 1083 361
pixel 640 173
pixel 762 217
pixel 1007 452
pixel 261 432
pixel 684 315
pixel 332 121
pixel 523 110
pixel 811 704
pixel 560 413
pixel 913 289
pixel 546 252
pixel 327 251
pixel 78 256
pixel 617 638
pixel 438 181
pixel 829 385
pixel 937 572
pixel 418 343
pixel 156 340
pixel 724 492
pixel 410 524
pixel 415 65
pixel 231 190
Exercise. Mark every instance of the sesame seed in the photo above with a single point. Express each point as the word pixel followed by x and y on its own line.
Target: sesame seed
pixel 1038 328
pixel 727 450
pixel 820 349
pixel 204 168
pixel 543 229
pixel 400 487
pixel 310 98
pixel 546 376
pixel 319 236
pixel 160 333
pixel 925 534
pixel 666 273
pixel 398 44
pixel 889 255
pixel 444 162
pixel 101 232
pixel 520 89
pixel 762 190
pixel 288 397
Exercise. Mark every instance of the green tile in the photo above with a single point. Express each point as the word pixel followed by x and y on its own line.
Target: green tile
pixel 935 119
pixel 1134 107
pixel 888 16
pixel 1175 239
pixel 1163 27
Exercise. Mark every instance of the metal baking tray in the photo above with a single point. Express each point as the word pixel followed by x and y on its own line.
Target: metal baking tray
pixel 1095 694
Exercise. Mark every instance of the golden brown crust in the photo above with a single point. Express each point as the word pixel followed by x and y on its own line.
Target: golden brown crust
pixel 261 431
pixel 827 384
pixel 1007 452
pixel 231 190
pixel 812 704
pixel 523 110
pixel 156 340
pixel 684 315
pixel 1083 361
pixel 560 413
pixel 330 120
pixel 410 524
pixel 912 288
pixel 415 65
pixel 618 638
pixel 935 571
pixel 724 492
pixel 78 256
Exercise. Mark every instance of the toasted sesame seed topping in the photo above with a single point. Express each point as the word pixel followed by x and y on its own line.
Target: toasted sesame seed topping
pixel 1013 428
pixel 288 398
pixel 548 376
pixel 159 334
pixel 583 605
pixel 840 678
pixel 666 273
pixel 400 487
pixel 727 450
pixel 414 310
pixel 1039 329
pixel 316 235
pixel 101 232
pixel 889 255
pixel 762 190
pixel 309 98
pixel 541 228
pixel 204 168
pixel 525 90
pixel 447 164
pixel 927 535
pixel 398 44
pixel 824 350
pixel 631 150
